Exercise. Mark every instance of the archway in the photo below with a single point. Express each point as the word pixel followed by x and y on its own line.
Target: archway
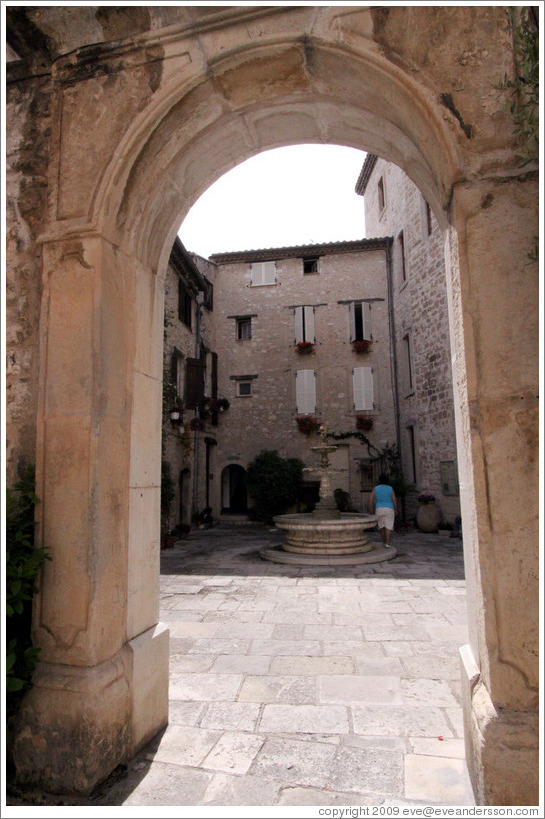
pixel 233 488
pixel 198 104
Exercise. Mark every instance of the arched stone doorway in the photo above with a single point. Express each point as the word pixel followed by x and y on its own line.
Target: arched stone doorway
pixel 174 112
pixel 233 490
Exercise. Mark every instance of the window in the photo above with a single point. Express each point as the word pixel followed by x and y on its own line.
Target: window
pixel 244 384
pixel 401 256
pixel 263 273
pixel 369 472
pixel 363 388
pixel 177 371
pixel 360 321
pixel 194 382
pixel 244 329
pixel 407 364
pixel 244 388
pixel 428 218
pixel 304 324
pixel 184 304
pixel 381 195
pixel 305 390
pixel 310 265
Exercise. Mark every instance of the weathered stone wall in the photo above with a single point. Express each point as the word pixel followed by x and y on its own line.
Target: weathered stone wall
pixel 420 311
pixel 182 447
pixel 27 160
pixel 266 419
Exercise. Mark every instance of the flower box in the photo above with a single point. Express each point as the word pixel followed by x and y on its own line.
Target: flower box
pixel 307 424
pixel 304 347
pixel 361 346
pixel 364 423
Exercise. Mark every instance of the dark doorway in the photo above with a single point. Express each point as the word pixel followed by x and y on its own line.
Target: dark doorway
pixel 233 489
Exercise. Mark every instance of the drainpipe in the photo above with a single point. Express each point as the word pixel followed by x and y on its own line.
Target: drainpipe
pixel 393 347
pixel 198 314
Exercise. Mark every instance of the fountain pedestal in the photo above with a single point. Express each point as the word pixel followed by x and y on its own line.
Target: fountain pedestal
pixel 326 536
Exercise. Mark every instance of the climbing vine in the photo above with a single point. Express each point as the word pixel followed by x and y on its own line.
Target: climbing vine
pixel 523 86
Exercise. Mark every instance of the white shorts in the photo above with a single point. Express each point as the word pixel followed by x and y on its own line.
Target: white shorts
pixel 386 517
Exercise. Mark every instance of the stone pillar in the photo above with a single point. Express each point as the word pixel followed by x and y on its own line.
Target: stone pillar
pixel 101 689
pixel 494 323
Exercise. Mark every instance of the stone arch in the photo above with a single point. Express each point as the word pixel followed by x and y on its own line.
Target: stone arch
pixel 200 104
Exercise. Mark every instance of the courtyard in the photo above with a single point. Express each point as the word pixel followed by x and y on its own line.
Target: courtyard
pixel 304 687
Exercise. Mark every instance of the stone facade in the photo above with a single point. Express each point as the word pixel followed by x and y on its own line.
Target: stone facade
pixel 260 365
pixel 189 354
pixel 395 207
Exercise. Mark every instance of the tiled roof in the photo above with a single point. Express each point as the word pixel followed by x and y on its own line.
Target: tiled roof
pixel 300 251
pixel 365 173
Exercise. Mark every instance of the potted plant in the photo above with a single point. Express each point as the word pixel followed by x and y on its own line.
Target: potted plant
pixel 428 514
pixel 304 347
pixel 361 345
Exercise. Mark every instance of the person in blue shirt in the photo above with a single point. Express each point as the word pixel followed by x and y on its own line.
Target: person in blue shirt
pixel 383 504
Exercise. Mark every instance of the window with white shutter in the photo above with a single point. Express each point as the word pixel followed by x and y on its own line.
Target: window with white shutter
pixel 360 321
pixel 304 325
pixel 263 273
pixel 305 390
pixel 363 388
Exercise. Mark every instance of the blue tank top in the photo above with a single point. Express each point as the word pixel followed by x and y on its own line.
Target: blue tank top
pixel 383 496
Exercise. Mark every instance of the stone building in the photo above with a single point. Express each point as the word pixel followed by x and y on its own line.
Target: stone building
pixel 395 207
pixel 119 119
pixel 288 323
pixel 189 387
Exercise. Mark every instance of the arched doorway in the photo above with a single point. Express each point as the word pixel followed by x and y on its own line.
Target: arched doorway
pixel 200 102
pixel 233 490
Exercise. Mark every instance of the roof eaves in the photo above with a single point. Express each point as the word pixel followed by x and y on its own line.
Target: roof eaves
pixel 300 251
pixel 365 173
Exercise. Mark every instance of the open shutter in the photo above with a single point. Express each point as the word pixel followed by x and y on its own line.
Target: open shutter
pixel 305 387
pixel 299 332
pixel 194 383
pixel 362 379
pixel 366 320
pixel 309 324
pixel 352 307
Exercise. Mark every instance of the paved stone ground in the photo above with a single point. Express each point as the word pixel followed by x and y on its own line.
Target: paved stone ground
pixel 294 686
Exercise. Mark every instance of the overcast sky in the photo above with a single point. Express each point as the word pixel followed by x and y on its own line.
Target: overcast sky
pixel 301 194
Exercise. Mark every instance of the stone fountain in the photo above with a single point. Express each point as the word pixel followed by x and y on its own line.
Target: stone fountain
pixel 326 536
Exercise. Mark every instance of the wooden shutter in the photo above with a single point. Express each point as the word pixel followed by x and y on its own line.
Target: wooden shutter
pixel 366 320
pixel 362 380
pixel 299 332
pixel 352 307
pixel 309 324
pixel 194 382
pixel 263 273
pixel 305 389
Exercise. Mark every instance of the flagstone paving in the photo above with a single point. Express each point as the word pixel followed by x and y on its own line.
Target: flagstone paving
pixel 317 686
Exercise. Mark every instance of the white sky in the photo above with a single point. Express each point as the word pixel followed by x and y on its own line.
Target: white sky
pixel 302 194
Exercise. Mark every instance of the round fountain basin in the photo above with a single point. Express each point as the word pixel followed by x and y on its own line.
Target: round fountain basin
pixel 310 534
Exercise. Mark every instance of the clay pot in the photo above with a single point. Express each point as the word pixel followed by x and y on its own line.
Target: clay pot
pixel 428 517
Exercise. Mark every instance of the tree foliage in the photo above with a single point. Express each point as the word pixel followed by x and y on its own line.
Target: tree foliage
pixel 272 482
pixel 23 563
pixel 523 86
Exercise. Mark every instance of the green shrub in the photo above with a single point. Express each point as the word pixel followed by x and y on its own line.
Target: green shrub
pixel 272 482
pixel 23 562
